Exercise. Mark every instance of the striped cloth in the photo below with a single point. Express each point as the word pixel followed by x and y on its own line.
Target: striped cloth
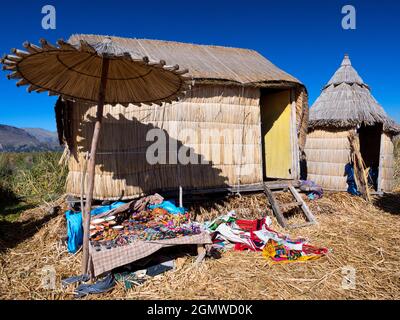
pixel 108 259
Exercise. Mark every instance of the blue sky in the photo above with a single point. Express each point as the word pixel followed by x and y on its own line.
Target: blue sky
pixel 303 37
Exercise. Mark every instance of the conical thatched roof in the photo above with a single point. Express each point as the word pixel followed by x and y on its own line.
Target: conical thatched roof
pixel 346 101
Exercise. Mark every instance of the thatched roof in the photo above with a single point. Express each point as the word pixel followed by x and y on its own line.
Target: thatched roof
pixel 206 63
pixel 346 101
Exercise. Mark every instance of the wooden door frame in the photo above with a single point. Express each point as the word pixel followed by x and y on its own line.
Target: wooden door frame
pixel 381 158
pixel 295 154
pixel 294 141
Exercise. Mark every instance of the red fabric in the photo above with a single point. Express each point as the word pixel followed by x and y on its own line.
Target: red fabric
pixel 243 247
pixel 308 249
pixel 250 226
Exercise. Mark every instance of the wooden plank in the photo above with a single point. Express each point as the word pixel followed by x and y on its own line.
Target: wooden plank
pixel 275 207
pixel 306 210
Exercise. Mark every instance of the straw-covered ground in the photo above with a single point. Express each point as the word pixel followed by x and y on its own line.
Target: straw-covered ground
pixel 360 235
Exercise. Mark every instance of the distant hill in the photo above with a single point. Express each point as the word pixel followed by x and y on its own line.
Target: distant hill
pixel 45 137
pixel 14 139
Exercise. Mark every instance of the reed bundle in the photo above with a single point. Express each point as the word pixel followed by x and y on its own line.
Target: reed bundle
pixel 360 170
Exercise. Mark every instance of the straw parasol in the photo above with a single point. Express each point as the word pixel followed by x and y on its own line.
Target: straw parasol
pixel 99 73
pixel 346 101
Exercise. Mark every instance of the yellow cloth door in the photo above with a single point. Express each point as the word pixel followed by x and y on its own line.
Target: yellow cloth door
pixel 276 119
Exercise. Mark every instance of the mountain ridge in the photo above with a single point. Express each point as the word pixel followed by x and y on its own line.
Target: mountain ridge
pixel 13 139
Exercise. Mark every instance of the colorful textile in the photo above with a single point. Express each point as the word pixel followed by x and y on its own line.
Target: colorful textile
pixel 106 260
pixel 230 217
pixel 267 234
pixel 279 253
pixel 251 226
pixel 227 229
pixel 157 224
pixel 235 235
pixel 256 235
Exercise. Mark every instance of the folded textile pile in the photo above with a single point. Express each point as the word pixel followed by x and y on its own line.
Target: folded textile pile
pixel 74 224
pixel 256 235
pixel 161 221
pixel 150 218
pixel 280 253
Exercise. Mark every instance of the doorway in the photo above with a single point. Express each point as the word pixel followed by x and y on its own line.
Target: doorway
pixel 275 109
pixel 370 146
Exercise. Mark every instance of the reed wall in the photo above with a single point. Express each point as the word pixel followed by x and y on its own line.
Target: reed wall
pixel 217 125
pixel 327 154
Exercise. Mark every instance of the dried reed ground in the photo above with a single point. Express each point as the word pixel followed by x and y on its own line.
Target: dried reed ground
pixel 359 234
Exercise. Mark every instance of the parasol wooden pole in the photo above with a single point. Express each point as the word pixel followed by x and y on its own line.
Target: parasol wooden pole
pixel 92 166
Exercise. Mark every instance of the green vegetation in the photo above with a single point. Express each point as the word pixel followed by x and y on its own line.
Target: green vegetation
pixel 397 162
pixel 27 180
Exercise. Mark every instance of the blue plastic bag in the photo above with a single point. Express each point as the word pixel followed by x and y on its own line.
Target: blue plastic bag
pixel 351 182
pixel 170 207
pixel 74 230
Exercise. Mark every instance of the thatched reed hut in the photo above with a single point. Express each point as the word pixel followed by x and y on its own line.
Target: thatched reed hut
pixel 346 104
pixel 243 121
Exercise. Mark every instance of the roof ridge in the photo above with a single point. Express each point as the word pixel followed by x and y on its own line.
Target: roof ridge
pixel 205 62
pixel 346 73
pixel 165 41
pixel 346 60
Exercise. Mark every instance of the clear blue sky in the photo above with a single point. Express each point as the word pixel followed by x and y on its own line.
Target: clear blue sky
pixel 303 37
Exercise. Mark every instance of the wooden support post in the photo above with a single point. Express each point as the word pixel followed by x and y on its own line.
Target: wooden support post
pixel 180 197
pixel 201 253
pixel 83 178
pixel 92 165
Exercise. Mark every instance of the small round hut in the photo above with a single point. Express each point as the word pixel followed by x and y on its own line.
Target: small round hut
pixel 345 105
